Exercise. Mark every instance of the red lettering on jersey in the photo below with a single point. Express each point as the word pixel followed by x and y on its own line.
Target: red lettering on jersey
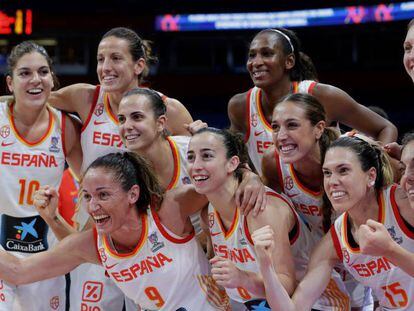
pixel 236 255
pixel 372 267
pixel 145 266
pixel 28 160
pixel 312 210
pixel 107 139
pixel 262 146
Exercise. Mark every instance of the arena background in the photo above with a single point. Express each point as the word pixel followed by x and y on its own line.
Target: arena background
pixel 204 69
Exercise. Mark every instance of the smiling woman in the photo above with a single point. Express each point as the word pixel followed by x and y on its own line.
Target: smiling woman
pixel 143 238
pixel 357 180
pixel 35 142
pixel 278 68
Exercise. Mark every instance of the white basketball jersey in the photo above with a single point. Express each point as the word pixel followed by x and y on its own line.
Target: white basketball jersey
pixel 179 146
pixel 393 288
pixel 25 167
pixel 236 244
pixel 307 202
pixel 259 132
pixel 164 271
pixel 100 134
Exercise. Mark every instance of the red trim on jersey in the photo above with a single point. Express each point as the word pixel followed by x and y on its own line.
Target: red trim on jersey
pixel 260 111
pixel 141 241
pixel 91 110
pixel 301 185
pixel 311 87
pixel 164 232
pixel 336 243
pixel 41 139
pixel 295 87
pixel 279 170
pixel 246 137
pixel 174 151
pixel 397 214
pixel 297 223
pixel 107 106
pixel 95 238
pixel 63 133
pixel 233 223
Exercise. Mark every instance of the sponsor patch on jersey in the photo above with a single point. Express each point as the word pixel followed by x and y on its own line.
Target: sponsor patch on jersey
pixel 257 305
pixel 54 141
pixel 24 235
pixel 54 302
pixel 5 131
pixel 153 239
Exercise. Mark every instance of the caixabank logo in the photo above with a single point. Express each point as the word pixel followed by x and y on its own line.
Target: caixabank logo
pixel 25 235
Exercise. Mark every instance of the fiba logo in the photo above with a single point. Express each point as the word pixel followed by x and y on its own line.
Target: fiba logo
pixel 5 131
pixel 346 255
pixel 54 302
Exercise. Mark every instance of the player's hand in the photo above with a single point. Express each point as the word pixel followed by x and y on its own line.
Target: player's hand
pixel 46 202
pixel 264 242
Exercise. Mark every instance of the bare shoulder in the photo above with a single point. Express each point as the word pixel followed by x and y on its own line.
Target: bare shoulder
pixel 177 115
pixel 74 98
pixel 237 112
pixel 270 169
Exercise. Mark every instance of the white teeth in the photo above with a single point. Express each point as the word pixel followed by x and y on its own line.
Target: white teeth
pixel 337 194
pixel 287 148
pixel 200 178
pixel 411 192
pixel 258 73
pixel 35 91
pixel 132 136
pixel 109 78
pixel 99 218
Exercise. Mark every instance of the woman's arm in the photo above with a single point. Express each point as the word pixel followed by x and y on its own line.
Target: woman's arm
pixel 73 147
pixel 177 116
pixel 341 107
pixel 74 98
pixel 375 240
pixel 64 257
pixel 237 113
pixel 317 277
pixel 270 171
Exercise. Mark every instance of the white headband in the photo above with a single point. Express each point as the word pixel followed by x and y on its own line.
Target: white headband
pixel 286 37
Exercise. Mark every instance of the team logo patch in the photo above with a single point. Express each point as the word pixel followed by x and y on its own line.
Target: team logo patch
pixel 25 235
pixel 254 120
pixel 243 241
pixel 346 255
pixel 186 180
pixel 393 234
pixel 99 110
pixel 92 291
pixel 5 131
pixel 153 238
pixel 54 141
pixel 288 183
pixel 54 302
pixel 210 220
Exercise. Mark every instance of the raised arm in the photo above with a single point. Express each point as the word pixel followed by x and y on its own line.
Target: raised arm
pixel 177 116
pixel 64 257
pixel 341 107
pixel 74 98
pixel 321 263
